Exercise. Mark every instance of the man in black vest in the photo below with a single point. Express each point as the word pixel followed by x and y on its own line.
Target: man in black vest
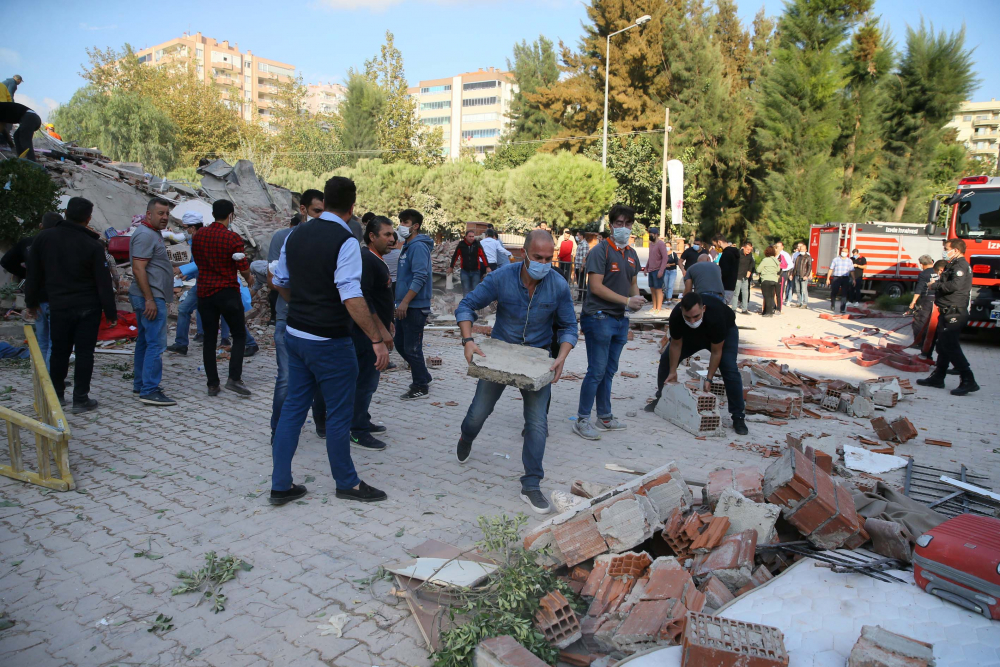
pixel 319 275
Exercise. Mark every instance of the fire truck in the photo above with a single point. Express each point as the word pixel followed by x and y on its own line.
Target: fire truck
pixel 891 249
pixel 973 215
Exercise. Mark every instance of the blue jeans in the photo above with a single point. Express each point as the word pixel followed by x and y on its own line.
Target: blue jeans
pixel 728 369
pixel 470 280
pixel 669 276
pixel 409 342
pixel 536 427
pixel 606 336
pixel 332 366
pixel 43 327
pixel 150 343
pixel 368 377
pixel 281 380
pixel 189 306
pixel 741 295
pixel 802 290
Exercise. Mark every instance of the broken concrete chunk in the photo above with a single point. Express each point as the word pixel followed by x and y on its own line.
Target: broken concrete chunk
pixel 746 480
pixel 713 640
pixel 557 620
pixel 885 398
pixel 861 407
pixel 744 514
pixel 716 593
pixel 504 651
pixel 515 365
pixel 877 647
pixel 579 539
pixel 731 561
pixel 695 412
pixel 666 490
pixel 889 539
pixel 622 522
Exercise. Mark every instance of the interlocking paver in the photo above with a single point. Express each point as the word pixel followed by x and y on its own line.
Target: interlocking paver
pixel 206 462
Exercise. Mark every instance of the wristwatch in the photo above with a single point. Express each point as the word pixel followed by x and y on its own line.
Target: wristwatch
pixel 466 341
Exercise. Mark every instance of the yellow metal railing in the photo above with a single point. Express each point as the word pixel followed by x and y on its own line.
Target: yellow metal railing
pixel 51 430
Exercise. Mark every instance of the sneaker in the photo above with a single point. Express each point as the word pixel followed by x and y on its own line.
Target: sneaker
pixel 376 428
pixel 463 451
pixel 178 349
pixel 214 390
pixel 136 392
pixel 157 398
pixel 651 407
pixel 282 497
pixel 226 342
pixel 237 386
pixel 364 440
pixel 199 338
pixel 744 312
pixel 321 430
pixel 537 500
pixel 740 426
pixel 609 424
pixel 364 494
pixel 413 394
pixel 84 406
pixel 583 428
pixel 251 350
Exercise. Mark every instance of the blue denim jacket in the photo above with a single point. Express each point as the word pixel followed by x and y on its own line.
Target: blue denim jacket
pixel 520 320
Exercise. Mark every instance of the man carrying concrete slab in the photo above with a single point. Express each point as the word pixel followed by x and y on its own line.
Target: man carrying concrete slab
pixel 531 301
pixel 700 323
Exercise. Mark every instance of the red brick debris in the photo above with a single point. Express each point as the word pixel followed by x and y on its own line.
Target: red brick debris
pixel 557 620
pixel 712 641
pixel 507 652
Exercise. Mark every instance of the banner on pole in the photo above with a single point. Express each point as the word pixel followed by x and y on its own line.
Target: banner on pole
pixel 675 175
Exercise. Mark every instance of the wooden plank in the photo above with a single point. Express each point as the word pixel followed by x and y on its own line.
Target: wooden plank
pixel 33 478
pixel 939 443
pixel 44 464
pixel 8 415
pixel 14 447
pixel 971 488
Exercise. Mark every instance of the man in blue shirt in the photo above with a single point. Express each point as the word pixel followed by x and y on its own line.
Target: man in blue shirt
pixel 532 301
pixel 414 279
pixel 839 279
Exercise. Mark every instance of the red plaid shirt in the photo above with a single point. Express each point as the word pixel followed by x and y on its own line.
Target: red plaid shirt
pixel 213 248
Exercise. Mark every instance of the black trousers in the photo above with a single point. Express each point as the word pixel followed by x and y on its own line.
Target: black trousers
pixel 949 349
pixel 22 135
pixel 842 286
pixel 272 302
pixel 769 289
pixel 73 328
pixel 566 269
pixel 921 317
pixel 228 305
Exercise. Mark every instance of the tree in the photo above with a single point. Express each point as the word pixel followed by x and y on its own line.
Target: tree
pixel 205 123
pixel 534 67
pixel 509 156
pixel 636 168
pixel 563 190
pixel 28 194
pixel 935 75
pixel 359 114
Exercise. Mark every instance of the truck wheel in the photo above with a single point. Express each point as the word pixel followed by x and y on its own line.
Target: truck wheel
pixel 894 290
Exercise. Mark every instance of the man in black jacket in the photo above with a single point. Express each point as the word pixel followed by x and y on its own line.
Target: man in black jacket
pixel 473 262
pixel 690 256
pixel 68 264
pixel 729 264
pixel 744 273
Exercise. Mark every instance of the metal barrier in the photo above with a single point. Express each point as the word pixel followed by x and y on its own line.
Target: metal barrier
pixel 51 430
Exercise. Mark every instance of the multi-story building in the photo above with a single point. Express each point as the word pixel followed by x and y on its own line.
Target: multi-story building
pixel 324 97
pixel 471 108
pixel 978 126
pixel 248 81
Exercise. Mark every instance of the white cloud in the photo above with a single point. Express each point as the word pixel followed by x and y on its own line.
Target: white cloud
pixel 43 108
pixel 9 57
pixel 85 26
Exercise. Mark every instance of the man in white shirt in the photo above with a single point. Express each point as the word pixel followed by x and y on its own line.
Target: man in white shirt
pixel 494 250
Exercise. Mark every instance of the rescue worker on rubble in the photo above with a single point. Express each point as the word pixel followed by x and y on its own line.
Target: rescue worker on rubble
pixel 952 300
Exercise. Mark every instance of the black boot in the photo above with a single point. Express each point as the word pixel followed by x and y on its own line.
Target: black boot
pixel 967 385
pixel 935 379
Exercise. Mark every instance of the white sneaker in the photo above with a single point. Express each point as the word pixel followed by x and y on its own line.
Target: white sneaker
pixel 586 430
pixel 611 424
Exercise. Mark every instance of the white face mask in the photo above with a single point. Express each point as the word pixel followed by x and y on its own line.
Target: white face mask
pixel 843 254
pixel 695 324
pixel 404 232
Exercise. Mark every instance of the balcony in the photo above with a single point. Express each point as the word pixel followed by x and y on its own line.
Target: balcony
pixel 994 120
pixel 226 81
pixel 219 64
pixel 264 103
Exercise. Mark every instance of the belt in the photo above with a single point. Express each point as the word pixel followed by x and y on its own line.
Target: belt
pixel 717 295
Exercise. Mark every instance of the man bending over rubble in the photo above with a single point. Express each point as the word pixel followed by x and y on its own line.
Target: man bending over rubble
pixel 531 300
pixel 704 324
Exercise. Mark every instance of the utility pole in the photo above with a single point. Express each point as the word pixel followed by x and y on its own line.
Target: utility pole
pixel 663 187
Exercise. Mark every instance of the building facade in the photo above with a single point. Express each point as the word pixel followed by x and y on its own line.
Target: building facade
pixel 324 98
pixel 248 81
pixel 978 126
pixel 470 108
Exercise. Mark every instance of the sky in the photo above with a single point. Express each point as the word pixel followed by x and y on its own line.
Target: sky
pixel 324 38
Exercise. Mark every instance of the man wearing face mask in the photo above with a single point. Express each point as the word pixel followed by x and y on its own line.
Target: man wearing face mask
pixel 691 255
pixel 841 274
pixel 413 300
pixel 698 323
pixel 532 302
pixel 952 301
pixel 612 267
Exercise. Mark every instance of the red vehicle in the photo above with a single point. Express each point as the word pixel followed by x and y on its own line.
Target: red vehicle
pixel 974 217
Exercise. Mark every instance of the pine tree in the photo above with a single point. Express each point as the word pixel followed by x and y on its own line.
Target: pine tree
pixel 534 67
pixel 935 75
pixel 359 114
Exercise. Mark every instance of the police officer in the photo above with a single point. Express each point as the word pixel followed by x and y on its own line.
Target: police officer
pixel 952 301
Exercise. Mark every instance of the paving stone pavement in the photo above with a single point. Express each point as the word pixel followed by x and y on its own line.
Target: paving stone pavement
pixel 185 480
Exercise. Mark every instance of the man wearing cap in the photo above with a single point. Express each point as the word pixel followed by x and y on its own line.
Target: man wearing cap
pixel 11 85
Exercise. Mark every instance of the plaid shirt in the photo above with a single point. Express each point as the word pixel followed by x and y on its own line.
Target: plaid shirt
pixel 581 254
pixel 213 248
pixel 841 266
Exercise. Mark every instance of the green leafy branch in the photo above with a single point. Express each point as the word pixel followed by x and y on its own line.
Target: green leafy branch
pixel 209 579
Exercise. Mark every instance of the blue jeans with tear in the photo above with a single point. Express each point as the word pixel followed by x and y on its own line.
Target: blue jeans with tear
pixel 606 337
pixel 536 426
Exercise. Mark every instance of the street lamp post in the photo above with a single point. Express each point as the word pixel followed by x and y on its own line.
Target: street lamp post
pixel 607 63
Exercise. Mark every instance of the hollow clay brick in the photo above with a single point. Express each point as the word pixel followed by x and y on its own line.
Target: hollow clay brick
pixel 504 651
pixel 712 535
pixel 732 561
pixel 713 641
pixel 557 620
pixel 578 539
pixel 629 564
pixel 716 593
pixel 597 575
pixel 903 429
pixel 667 580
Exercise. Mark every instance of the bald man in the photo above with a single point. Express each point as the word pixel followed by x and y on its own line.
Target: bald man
pixel 532 302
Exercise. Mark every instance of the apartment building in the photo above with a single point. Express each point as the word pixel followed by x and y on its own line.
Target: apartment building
pixel 471 108
pixel 324 97
pixel 978 125
pixel 248 81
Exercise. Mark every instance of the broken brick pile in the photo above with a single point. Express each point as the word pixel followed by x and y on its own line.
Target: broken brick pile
pixel 695 411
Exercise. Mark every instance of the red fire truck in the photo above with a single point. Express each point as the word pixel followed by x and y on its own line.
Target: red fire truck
pixel 891 248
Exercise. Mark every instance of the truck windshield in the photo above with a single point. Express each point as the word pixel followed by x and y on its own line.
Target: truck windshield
pixel 979 215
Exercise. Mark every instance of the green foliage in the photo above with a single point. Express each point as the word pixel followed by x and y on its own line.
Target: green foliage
pixel 161 624
pixel 563 189
pixel 209 579
pixel 534 67
pixel 359 114
pixel 885 302
pixel 508 604
pixel 637 169
pixel 26 193
pixel 189 174
pixel 509 156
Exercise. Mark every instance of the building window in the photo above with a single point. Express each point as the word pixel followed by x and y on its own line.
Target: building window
pixel 967 119
pixel 143 59
pixel 436 120
pixel 479 102
pixel 436 89
pixel 480 134
pixel 221 57
pixel 274 69
pixel 480 85
pixel 480 150
pixel 446 104
pixel 480 117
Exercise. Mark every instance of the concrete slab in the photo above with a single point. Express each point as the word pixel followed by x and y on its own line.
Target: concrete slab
pixel 515 365
pixel 744 514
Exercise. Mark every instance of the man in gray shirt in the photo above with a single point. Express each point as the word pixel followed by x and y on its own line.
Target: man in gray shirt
pixel 150 292
pixel 704 277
